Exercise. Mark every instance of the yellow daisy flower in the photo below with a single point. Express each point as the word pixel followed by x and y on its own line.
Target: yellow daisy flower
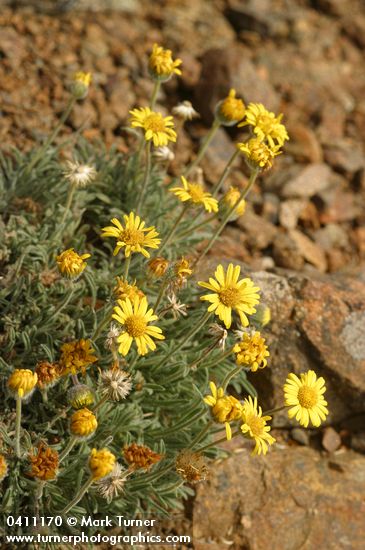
pixel 254 426
pixel 71 264
pixel 231 294
pixel 251 351
pixel 156 127
pixel 258 154
pixel 161 65
pixel 305 397
pixel 195 193
pixel 134 236
pixel 225 408
pixel 134 317
pixel 231 109
pixel 266 124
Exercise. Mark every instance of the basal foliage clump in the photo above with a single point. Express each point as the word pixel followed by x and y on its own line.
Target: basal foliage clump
pixel 109 346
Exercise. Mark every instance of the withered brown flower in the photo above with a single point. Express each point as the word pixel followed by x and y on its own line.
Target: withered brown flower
pixel 140 456
pixel 44 463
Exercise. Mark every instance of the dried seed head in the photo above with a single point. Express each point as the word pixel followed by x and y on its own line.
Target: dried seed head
pixel 220 333
pixel 185 111
pixel 115 383
pixel 78 174
pixel 112 485
pixel 191 466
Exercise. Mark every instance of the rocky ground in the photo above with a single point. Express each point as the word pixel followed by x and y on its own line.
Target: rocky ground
pixel 303 234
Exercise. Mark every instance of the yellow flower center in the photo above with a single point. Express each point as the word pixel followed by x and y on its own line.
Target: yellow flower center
pixel 135 325
pixel 196 192
pixel 155 123
pixel 307 397
pixel 132 236
pixel 265 122
pixel 256 424
pixel 229 297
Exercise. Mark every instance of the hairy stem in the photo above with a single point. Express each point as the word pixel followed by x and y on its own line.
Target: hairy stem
pixel 189 335
pixel 146 178
pixel 220 228
pixel 70 445
pixel 208 138
pixel 78 496
pixel 225 173
pixel 155 91
pixel 230 376
pixel 18 425
pixel 174 227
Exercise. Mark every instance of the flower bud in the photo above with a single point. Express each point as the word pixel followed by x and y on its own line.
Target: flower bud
pixel 80 396
pixel 101 463
pixel 80 85
pixel 83 423
pixel 158 266
pixel 230 110
pixel 22 382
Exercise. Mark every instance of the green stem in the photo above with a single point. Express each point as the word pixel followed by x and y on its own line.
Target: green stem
pixel 207 352
pixel 189 335
pixel 220 228
pixel 70 445
pixel 146 177
pixel 141 482
pixel 219 358
pixel 70 195
pixel 272 411
pixel 229 376
pixel 18 425
pixel 174 227
pixel 126 266
pixel 156 89
pixel 132 365
pixel 100 403
pixel 208 138
pixel 39 154
pixel 225 173
pixel 195 227
pixel 216 442
pixel 102 325
pixel 201 434
pixel 163 286
pixel 78 496
pixel 64 303
pixel 50 424
pixel 186 422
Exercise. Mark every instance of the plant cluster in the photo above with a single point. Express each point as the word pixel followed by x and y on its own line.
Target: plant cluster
pixel 110 340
